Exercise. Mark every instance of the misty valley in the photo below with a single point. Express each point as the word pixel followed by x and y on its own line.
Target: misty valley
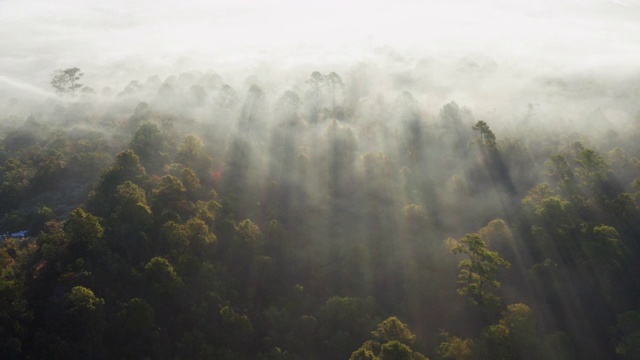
pixel 349 213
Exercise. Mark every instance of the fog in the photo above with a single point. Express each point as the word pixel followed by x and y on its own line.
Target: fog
pixel 116 41
pixel 351 134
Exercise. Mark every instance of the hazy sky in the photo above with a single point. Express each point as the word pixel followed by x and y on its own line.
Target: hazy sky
pixel 114 38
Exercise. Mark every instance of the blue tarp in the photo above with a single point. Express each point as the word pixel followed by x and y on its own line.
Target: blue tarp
pixel 19 234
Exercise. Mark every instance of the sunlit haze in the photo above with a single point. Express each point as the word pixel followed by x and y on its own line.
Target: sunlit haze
pixel 144 37
pixel 326 179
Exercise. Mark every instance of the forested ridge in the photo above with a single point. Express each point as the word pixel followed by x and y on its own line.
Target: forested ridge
pixel 185 219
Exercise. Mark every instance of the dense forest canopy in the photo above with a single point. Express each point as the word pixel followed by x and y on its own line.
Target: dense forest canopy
pixel 363 179
pixel 187 218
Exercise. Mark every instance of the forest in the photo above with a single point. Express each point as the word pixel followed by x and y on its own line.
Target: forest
pixel 202 217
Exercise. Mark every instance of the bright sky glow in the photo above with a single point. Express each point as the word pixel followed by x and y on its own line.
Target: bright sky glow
pixel 37 37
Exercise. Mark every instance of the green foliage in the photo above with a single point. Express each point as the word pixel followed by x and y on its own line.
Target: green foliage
pixel 513 337
pixel 151 146
pixel 14 221
pixel 486 135
pixel 83 231
pixel 126 167
pixel 41 215
pixel 455 348
pixel 519 319
pixel 628 329
pixel 248 231
pixel 495 342
pixel 603 247
pixel 15 314
pixel 392 329
pixel 395 350
pixel 190 239
pixel 130 194
pixel 14 182
pixel 558 225
pixel 169 200
pixel 391 340
pixel 560 171
pixel 293 237
pixel 362 354
pixel 130 222
pixel 50 171
pixel 136 329
pixel 87 309
pixel 160 275
pixel 478 273
pixel 84 301
pixel 191 183
pixel 277 353
pixel 591 167
pixel 239 329
pixel 496 232
pixel 137 317
pixel 344 323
